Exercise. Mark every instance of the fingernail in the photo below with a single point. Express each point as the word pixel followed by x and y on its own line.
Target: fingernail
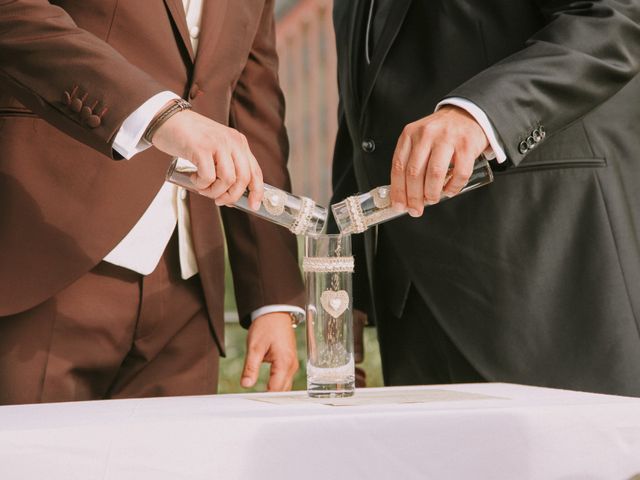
pixel 413 212
pixel 430 202
pixel 245 382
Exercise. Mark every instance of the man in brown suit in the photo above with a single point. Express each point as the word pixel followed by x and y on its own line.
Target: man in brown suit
pixel 111 281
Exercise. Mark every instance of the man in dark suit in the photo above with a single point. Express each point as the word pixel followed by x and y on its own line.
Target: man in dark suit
pixel 536 278
pixel 111 279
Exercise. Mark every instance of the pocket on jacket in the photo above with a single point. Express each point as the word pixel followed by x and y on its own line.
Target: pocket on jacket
pixel 561 163
pixel 16 112
pixel 9 116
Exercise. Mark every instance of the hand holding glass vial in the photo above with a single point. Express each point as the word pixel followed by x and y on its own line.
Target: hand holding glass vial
pixel 357 213
pixel 300 215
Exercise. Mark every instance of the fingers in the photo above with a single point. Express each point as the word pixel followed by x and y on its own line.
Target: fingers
pixel 434 152
pixel 281 375
pixel 283 368
pixel 255 355
pixel 460 174
pixel 206 173
pixel 248 177
pixel 256 186
pixel 242 161
pixel 398 168
pixel 415 172
pixel 437 169
pixel 226 169
pixel 241 178
pixel 225 165
pixel 418 171
pixel 237 171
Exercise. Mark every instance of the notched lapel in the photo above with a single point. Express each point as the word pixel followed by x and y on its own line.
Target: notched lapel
pixel 176 9
pixel 213 21
pixel 388 36
pixel 351 30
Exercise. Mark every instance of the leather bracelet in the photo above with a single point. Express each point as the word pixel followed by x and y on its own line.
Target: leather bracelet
pixel 177 106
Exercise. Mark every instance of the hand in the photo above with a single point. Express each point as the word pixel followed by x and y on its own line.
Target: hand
pixel 426 150
pixel 226 166
pixel 271 339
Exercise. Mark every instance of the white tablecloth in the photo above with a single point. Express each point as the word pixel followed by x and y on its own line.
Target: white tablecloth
pixel 479 431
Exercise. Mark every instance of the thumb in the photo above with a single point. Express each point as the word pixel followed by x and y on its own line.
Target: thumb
pixel 251 366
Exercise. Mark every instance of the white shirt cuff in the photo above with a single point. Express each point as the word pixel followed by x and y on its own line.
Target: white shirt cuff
pixel 277 308
pixel 129 141
pixel 495 149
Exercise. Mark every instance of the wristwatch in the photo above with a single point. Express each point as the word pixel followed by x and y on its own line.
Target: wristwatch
pixel 296 319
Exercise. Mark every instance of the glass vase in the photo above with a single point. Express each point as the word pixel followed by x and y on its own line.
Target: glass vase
pixel 328 268
pixel 300 215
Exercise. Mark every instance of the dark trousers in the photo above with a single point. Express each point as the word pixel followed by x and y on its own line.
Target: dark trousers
pixel 415 350
pixel 112 334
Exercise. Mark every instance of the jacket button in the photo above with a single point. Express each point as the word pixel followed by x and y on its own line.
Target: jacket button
pixel 531 143
pixel 368 146
pixel 194 92
pixel 76 105
pixel 536 135
pixel 94 121
pixel 523 148
pixel 85 113
pixel 543 132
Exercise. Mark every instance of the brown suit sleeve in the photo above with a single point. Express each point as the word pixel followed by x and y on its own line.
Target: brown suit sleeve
pixel 264 257
pixel 45 59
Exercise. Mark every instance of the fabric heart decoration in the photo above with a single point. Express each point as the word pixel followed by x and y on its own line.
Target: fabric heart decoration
pixel 334 302
pixel 274 201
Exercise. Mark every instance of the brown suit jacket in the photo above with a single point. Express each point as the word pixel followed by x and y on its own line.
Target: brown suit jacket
pixel 65 203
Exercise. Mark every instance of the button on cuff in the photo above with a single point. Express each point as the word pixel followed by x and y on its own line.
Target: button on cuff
pixel 531 143
pixel 523 148
pixel 94 121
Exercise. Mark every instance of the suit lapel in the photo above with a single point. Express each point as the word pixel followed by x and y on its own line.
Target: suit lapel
pixel 176 9
pixel 389 34
pixel 213 19
pixel 354 31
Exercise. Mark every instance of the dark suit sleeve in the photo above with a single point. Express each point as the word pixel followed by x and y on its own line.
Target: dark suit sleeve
pixel 44 54
pixel 585 54
pixel 264 258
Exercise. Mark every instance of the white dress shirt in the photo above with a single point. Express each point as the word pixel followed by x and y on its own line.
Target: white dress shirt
pixel 141 249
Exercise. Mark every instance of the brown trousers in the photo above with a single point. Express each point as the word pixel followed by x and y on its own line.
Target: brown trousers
pixel 112 334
